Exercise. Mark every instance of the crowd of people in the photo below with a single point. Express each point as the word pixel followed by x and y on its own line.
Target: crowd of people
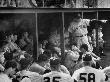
pixel 21 67
pixel 18 65
pixel 80 63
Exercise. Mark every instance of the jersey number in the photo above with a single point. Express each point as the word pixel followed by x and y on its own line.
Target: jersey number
pixel 55 79
pixel 90 76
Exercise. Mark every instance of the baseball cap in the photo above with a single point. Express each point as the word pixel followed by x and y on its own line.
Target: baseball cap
pixel 87 57
pixel 54 61
pixel 77 15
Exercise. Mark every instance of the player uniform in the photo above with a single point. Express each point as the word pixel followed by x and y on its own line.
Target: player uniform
pixel 79 33
pixel 88 74
pixel 55 76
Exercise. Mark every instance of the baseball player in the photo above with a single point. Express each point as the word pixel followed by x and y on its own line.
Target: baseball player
pixel 56 75
pixel 87 73
pixel 78 31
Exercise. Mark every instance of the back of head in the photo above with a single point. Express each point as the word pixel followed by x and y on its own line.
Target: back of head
pixel 84 46
pixel 87 58
pixel 77 16
pixel 54 62
pixel 24 63
pixel 10 64
pixel 47 53
pixel 42 58
pixel 8 56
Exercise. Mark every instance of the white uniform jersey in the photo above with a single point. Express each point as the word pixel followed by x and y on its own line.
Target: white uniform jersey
pixel 88 74
pixel 55 76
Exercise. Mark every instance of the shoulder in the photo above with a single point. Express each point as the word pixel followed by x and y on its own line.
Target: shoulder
pixel 48 74
pixel 25 79
pixel 64 69
pixel 98 72
pixel 106 69
pixel 4 77
pixel 77 72
pixel 36 68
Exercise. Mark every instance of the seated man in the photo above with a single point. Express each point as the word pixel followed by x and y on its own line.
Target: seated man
pixel 10 67
pixel 41 65
pixel 87 73
pixel 71 61
pixel 95 58
pixel 56 75
pixel 28 75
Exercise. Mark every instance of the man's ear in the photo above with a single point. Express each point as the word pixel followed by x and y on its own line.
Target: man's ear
pixel 75 80
pixel 106 79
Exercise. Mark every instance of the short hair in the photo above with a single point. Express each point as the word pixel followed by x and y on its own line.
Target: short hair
pixel 77 16
pixel 48 53
pixel 10 63
pixel 24 63
pixel 54 61
pixel 87 57
pixel 85 46
pixel 42 58
pixel 8 56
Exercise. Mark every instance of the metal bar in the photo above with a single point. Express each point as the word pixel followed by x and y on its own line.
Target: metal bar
pixel 65 4
pixel 43 3
pixel 50 10
pixel 97 37
pixel 36 54
pixel 62 40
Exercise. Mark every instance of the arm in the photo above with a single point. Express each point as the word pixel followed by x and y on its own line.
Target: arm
pixel 95 56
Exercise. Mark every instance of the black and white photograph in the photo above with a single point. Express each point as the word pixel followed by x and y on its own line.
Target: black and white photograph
pixel 54 40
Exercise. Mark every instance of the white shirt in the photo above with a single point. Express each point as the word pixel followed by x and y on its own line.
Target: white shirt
pixel 88 74
pixel 57 77
pixel 4 78
pixel 33 76
pixel 78 29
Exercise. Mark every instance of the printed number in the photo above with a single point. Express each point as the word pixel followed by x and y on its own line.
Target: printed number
pixel 46 79
pixel 91 77
pixel 55 79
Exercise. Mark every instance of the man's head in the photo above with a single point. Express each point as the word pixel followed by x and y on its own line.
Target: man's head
pixel 43 58
pixel 84 48
pixel 77 17
pixel 87 60
pixel 47 53
pixel 25 63
pixel 10 67
pixel 55 63
pixel 71 59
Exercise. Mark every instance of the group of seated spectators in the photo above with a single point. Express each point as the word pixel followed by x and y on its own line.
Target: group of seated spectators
pixel 18 65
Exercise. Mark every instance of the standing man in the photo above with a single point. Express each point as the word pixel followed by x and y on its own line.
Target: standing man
pixel 78 31
pixel 87 73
